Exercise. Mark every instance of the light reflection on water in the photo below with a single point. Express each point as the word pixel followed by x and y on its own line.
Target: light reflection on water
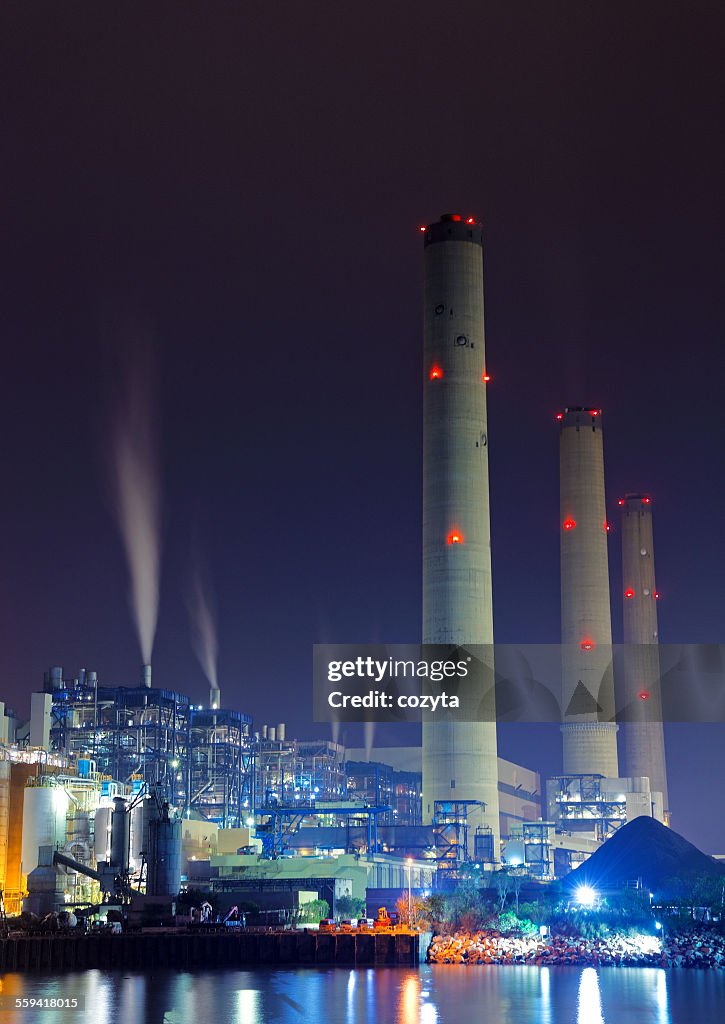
pixel 429 995
pixel 589 1007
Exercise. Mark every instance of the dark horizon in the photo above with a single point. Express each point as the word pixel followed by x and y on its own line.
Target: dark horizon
pixel 242 193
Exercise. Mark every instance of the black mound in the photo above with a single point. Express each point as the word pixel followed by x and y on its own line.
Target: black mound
pixel 646 849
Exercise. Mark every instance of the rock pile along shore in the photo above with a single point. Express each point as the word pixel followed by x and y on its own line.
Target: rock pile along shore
pixel 489 947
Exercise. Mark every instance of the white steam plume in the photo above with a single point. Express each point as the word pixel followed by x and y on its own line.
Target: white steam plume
pixel 202 614
pixel 369 731
pixel 137 491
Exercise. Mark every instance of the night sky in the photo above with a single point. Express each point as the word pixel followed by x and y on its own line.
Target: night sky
pixel 238 187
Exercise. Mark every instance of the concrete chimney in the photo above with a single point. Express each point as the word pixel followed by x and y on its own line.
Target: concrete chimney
pixel 459 758
pixel 643 731
pixel 590 738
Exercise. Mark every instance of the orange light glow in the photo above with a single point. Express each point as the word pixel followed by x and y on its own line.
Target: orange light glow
pixel 486 377
pixel 436 373
pixel 569 523
pixel 455 537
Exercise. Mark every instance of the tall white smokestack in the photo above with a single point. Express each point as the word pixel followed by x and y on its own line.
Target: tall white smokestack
pixel 644 740
pixel 590 738
pixel 459 758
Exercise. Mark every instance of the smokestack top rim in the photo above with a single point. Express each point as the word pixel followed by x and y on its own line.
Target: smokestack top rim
pixel 453 227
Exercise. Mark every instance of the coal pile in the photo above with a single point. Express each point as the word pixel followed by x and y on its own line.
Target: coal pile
pixel 647 850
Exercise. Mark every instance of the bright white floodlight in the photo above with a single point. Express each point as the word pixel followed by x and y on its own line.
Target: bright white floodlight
pixel 585 896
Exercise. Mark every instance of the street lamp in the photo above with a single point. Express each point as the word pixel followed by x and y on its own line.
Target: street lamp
pixel 409 862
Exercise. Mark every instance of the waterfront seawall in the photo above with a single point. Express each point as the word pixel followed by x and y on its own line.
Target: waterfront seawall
pixel 144 951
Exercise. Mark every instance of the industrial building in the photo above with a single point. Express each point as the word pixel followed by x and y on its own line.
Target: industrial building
pixel 201 758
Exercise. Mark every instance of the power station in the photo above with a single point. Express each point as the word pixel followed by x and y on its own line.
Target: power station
pixel 126 793
pixel 459 759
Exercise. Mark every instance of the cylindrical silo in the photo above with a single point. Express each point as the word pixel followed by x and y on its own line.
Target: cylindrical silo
pixel 459 758
pixel 5 770
pixel 589 737
pixel 44 822
pixel 139 833
pixel 120 834
pixel 102 834
pixel 644 741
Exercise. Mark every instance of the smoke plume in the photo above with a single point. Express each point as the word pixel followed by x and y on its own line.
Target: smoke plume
pixel 202 614
pixel 137 487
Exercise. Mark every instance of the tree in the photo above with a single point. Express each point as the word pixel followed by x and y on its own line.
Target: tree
pixel 315 910
pixel 432 911
pixel 350 906
pixel 517 880
pixel 502 885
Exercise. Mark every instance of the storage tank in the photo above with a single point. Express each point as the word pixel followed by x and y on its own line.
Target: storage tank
pixel 140 815
pixel 102 834
pixel 164 860
pixel 120 833
pixel 5 768
pixel 44 822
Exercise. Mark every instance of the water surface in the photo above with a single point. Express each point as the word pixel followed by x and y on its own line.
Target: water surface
pixel 440 994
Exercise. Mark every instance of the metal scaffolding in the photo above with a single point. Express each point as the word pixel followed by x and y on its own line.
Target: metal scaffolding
pixel 220 766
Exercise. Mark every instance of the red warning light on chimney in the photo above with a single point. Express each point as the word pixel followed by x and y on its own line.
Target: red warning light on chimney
pixel 560 415
pixel 607 527
pixel 656 594
pixel 470 220
pixel 621 501
pixel 629 592
pixel 646 501
pixel 485 377
pixel 455 537
pixel 587 644
pixel 643 695
pixel 423 227
pixel 569 523
pixel 436 373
